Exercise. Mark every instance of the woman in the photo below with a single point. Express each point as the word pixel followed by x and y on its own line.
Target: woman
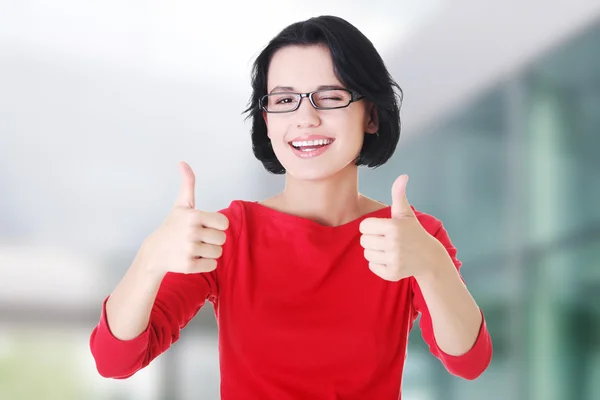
pixel 315 289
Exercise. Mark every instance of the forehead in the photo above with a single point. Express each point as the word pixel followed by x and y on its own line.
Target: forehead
pixel 302 67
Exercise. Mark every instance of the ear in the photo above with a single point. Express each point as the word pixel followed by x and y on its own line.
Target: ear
pixel 372 120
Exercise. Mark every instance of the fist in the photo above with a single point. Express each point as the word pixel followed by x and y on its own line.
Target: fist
pixel 398 247
pixel 189 240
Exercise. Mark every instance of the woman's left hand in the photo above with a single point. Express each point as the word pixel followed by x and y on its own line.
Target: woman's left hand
pixel 399 247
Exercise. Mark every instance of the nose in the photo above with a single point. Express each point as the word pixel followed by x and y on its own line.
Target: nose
pixel 307 115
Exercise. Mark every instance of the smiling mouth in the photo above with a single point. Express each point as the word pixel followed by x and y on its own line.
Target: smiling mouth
pixel 310 145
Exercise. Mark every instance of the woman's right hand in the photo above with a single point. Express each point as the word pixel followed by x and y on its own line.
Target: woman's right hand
pixel 189 240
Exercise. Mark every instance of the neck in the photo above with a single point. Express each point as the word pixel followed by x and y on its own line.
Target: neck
pixel 333 201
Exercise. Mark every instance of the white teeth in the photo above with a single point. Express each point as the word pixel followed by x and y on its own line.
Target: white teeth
pixel 306 143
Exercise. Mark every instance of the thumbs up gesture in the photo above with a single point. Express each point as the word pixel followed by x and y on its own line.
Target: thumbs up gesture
pixel 399 247
pixel 189 240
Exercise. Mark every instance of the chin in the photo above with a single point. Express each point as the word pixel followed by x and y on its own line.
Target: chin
pixel 321 166
pixel 318 172
pixel 309 176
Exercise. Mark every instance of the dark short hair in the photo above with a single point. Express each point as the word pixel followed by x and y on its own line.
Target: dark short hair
pixel 357 65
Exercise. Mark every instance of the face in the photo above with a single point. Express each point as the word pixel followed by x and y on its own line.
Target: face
pixel 314 144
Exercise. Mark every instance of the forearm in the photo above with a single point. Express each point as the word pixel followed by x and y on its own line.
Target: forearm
pixel 455 316
pixel 129 306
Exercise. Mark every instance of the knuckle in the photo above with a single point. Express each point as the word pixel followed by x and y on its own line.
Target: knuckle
pixel 204 250
pixel 218 251
pixel 196 218
pixel 363 241
pixel 189 222
pixel 224 221
pixel 222 238
pixel 208 265
pixel 363 227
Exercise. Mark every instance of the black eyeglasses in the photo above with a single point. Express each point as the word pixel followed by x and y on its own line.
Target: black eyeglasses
pixel 327 99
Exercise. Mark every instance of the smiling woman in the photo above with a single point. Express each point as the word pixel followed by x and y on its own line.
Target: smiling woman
pixel 316 288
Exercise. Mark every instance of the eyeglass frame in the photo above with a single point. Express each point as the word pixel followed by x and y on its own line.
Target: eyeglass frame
pixel 354 97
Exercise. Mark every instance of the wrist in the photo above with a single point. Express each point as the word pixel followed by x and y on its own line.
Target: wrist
pixel 437 266
pixel 145 267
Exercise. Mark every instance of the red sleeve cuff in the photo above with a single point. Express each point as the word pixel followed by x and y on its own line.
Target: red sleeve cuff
pixel 475 361
pixel 114 357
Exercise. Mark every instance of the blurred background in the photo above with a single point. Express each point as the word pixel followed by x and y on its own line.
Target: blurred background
pixel 99 100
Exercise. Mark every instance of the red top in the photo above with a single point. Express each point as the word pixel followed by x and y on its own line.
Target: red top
pixel 300 314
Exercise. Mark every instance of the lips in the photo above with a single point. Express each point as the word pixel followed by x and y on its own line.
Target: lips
pixel 311 146
pixel 307 145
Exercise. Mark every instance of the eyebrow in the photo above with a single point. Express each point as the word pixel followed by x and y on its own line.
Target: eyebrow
pixel 291 89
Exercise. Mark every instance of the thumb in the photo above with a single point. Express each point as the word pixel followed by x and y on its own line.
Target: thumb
pixel 400 205
pixel 186 196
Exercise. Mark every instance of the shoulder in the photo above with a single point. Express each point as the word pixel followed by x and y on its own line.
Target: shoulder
pixel 234 210
pixel 242 215
pixel 240 210
pixel 235 213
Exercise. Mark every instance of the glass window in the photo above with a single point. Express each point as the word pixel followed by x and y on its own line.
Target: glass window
pixel 563 235
pixel 528 233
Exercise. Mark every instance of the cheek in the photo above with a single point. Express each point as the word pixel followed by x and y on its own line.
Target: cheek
pixel 354 131
pixel 353 124
pixel 273 132
pixel 276 128
pixel 276 131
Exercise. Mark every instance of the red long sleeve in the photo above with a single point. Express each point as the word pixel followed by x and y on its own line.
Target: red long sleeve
pixel 471 364
pixel 178 300
pixel 300 314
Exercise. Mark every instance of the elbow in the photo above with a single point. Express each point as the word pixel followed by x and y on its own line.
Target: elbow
pixel 115 363
pixel 112 374
pixel 113 368
pixel 471 375
pixel 114 371
pixel 474 369
pixel 476 361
